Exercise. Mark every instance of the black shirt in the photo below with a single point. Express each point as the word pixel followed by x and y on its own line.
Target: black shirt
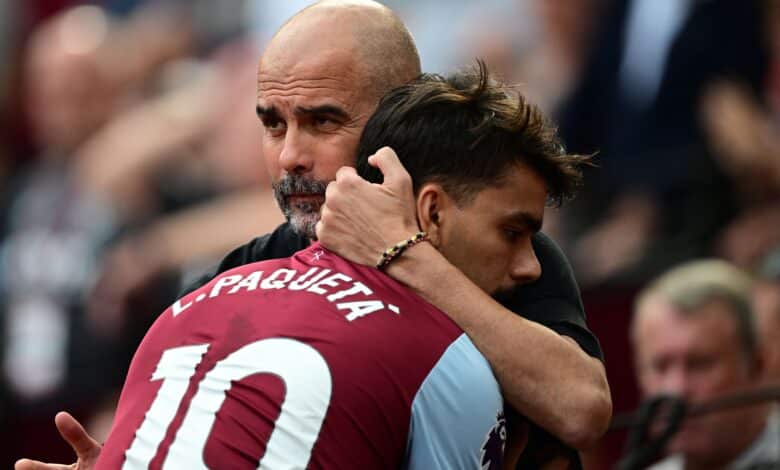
pixel 553 300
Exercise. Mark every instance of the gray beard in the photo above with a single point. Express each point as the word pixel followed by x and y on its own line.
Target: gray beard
pixel 304 215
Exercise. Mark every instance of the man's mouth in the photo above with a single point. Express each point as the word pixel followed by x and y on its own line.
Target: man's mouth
pixel 297 195
pixel 306 197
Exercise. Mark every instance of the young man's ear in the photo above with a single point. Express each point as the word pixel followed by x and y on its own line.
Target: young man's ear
pixel 432 206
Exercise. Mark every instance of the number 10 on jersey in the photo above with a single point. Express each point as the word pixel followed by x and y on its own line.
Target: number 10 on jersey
pixel 308 386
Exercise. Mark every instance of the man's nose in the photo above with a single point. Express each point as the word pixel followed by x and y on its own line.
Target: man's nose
pixel 296 156
pixel 676 381
pixel 525 266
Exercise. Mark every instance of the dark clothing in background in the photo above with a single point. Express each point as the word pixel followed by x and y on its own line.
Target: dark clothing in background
pixel 553 301
pixel 657 147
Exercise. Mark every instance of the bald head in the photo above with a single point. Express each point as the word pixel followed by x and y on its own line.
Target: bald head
pixel 368 41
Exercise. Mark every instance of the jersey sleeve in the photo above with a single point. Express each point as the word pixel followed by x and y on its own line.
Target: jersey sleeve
pixel 554 299
pixel 460 389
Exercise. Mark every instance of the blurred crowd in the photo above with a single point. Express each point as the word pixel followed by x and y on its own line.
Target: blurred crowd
pixel 129 163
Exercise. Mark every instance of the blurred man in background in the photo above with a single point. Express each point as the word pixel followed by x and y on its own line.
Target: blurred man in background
pixel 694 337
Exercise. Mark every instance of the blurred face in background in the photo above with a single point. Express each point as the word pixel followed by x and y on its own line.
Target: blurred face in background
pixel 60 99
pixel 65 96
pixel 696 355
pixel 766 304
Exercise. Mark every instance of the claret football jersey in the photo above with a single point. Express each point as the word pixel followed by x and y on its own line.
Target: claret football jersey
pixel 306 362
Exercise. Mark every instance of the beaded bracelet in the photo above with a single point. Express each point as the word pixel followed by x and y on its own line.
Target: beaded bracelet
pixel 394 251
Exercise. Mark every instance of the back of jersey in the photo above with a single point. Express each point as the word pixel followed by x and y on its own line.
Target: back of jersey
pixel 304 362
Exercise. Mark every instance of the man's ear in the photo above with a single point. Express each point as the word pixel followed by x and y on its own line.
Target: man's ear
pixel 433 204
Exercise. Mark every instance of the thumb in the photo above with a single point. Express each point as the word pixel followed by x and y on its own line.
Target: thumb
pixel 75 435
pixel 386 160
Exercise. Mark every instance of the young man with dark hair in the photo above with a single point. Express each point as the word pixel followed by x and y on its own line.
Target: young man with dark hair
pixel 313 361
pixel 315 93
pixel 316 90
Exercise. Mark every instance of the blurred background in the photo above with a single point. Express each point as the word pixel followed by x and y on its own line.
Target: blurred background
pixel 129 163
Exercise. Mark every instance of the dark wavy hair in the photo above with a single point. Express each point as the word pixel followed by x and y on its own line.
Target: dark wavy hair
pixel 463 132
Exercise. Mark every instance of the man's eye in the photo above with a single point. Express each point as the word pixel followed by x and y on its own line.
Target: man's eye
pixel 659 365
pixel 512 234
pixel 273 124
pixel 323 121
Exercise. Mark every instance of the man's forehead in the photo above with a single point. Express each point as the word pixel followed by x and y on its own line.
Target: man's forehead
pixel 309 76
pixel 297 94
pixel 323 57
pixel 303 84
pixel 520 194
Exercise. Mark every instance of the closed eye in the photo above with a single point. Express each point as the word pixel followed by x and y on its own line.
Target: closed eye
pixel 512 235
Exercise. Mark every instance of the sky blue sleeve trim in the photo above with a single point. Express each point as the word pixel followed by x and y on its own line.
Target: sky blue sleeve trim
pixel 457 415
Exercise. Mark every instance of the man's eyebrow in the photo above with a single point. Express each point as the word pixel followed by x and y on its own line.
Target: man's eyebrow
pixel 526 219
pixel 324 109
pixel 265 111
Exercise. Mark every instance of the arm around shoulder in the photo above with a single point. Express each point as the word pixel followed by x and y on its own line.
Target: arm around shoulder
pixel 545 376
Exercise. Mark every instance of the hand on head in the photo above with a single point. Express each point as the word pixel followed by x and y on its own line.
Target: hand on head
pixel 360 220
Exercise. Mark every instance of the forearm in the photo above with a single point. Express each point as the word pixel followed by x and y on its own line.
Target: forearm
pixel 545 376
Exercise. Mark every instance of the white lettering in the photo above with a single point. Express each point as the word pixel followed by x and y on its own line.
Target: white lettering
pixel 272 281
pixel 330 281
pixel 357 288
pixel 178 307
pixel 334 285
pixel 303 282
pixel 249 283
pixel 222 282
pixel 361 308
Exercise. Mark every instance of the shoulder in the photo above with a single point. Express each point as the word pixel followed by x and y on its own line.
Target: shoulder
pixel 457 414
pixel 281 243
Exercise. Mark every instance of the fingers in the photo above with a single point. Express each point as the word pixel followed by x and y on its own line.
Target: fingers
pixel 320 226
pixel 388 163
pixel 75 435
pixel 27 464
pixel 346 172
pixel 345 177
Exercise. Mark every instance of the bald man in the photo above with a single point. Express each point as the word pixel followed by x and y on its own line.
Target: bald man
pixel 319 80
